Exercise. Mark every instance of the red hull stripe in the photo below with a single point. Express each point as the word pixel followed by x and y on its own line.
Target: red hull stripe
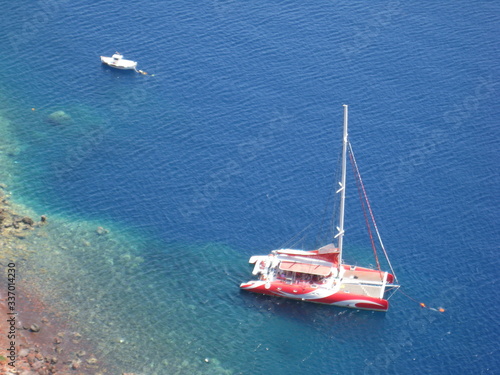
pixel 317 295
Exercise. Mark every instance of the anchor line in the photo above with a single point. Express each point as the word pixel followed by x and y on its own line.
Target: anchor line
pixel 143 72
pixel 423 305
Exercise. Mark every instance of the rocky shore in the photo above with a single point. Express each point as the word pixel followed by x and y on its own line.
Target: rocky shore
pixel 43 343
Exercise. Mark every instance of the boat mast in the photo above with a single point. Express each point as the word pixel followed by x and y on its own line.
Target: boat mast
pixel 341 190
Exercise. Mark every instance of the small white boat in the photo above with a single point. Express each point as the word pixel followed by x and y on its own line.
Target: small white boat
pixel 117 61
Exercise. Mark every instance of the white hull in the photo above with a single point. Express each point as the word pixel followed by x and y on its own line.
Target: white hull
pixel 118 62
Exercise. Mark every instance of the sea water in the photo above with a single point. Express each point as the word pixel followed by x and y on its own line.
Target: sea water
pixel 229 148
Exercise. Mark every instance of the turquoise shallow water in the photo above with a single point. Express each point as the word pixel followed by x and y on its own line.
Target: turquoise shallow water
pixel 230 150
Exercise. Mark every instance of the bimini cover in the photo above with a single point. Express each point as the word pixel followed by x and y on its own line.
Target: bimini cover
pixel 313 269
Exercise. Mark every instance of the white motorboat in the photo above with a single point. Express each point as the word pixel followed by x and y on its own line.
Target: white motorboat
pixel 117 61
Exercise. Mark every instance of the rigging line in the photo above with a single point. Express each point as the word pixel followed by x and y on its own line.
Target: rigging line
pixel 300 242
pixel 333 201
pixel 363 205
pixel 327 225
pixel 394 290
pixel 295 238
pixel 371 215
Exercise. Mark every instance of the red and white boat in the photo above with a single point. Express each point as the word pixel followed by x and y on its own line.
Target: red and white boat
pixel 320 275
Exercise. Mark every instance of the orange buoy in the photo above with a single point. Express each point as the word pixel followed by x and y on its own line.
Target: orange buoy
pixel 441 309
pixel 422 304
pixel 33 109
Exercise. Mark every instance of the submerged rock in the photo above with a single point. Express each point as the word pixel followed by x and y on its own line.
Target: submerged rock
pixel 27 220
pixel 24 352
pixel 35 328
pixel 59 118
pixel 101 231
pixel 76 364
pixel 92 360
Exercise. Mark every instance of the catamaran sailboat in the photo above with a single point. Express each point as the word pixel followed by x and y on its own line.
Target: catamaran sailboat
pixel 320 275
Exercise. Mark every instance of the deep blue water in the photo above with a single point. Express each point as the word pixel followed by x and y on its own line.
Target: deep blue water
pixel 231 148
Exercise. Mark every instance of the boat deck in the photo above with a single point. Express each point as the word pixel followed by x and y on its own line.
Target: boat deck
pixel 367 290
pixel 367 276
